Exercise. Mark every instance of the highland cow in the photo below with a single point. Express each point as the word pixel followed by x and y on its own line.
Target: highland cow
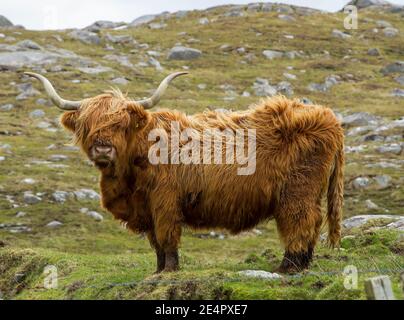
pixel 299 153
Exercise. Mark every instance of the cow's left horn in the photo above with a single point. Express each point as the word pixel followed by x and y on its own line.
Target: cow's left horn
pixel 56 99
pixel 155 98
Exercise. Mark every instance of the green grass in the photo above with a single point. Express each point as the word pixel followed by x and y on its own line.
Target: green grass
pixel 101 260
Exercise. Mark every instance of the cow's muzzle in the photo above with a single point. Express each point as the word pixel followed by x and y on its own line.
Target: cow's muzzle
pixel 103 155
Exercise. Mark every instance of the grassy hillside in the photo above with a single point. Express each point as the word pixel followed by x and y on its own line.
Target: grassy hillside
pixel 102 260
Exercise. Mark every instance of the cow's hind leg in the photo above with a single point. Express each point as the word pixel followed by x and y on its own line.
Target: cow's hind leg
pixel 299 231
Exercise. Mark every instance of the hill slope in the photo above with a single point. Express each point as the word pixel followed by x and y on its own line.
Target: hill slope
pixel 246 53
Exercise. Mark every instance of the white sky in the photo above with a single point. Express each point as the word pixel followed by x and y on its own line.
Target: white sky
pixel 60 14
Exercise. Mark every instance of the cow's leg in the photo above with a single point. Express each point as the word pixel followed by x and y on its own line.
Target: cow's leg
pixel 167 220
pixel 299 232
pixel 160 254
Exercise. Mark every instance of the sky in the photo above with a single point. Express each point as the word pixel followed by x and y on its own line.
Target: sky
pixel 63 14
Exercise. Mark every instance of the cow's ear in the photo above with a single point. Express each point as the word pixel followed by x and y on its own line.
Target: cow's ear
pixel 139 117
pixel 68 120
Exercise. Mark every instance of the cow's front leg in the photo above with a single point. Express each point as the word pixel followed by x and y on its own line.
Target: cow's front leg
pixel 167 219
pixel 160 254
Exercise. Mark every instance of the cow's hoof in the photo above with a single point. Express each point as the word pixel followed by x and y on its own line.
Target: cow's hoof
pixel 171 269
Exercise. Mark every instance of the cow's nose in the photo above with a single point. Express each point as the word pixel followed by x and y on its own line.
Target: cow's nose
pixel 103 149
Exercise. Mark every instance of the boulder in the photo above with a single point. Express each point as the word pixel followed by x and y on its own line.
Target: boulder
pixel 29 45
pixel 183 53
pixel 360 119
pixel 262 88
pixel 142 20
pixel 86 37
pixel 361 4
pixel 395 67
pixel 4 22
pixel 374 52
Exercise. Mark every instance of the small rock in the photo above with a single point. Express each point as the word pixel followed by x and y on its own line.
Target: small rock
pixel 204 21
pixel 29 45
pixel 95 215
pixel 7 107
pixel 183 53
pixel 54 224
pixel 157 26
pixel 28 181
pixel 383 181
pixel 60 196
pixel 262 88
pixel 120 81
pixel 86 194
pixel 371 205
pixel 339 34
pixel 201 86
pixel 383 24
pixel 398 93
pixel 259 274
pixel 58 157
pixel 38 113
pixel 272 54
pixel 374 52
pixel 400 79
pixel 361 183
pixel 26 91
pixel 358 221
pixel 390 32
pixel 20 214
pixel 395 67
pixel 289 76
pixel 155 63
pixel 86 37
pixel 30 198
pixel 360 119
pixel 393 148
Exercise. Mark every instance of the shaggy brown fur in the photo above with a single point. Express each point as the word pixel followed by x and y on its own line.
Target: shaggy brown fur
pixel 299 152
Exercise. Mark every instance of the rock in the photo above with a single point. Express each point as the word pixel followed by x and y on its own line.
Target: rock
pixel 120 81
pixel 43 102
pixel 122 60
pixel 286 17
pixel 30 198
pixel 29 45
pixel 54 224
pixel 155 63
pixel 390 32
pixel 86 37
pixel 28 181
pixel 26 91
pixel 361 183
pixel 383 181
pixel 374 52
pixel 306 101
pixel 20 214
pixel 142 20
pixel 181 14
pixel 398 93
pixel 393 148
pixel 43 125
pixel 120 39
pixel 203 21
pixel 395 67
pixel 103 24
pixel 360 119
pixel 4 22
pixel 240 50
pixel 95 215
pixel 14 60
pixel 400 79
pixel 272 54
pixel 61 196
pixel 383 24
pixel 285 88
pixel 183 53
pixel 361 4
pixel 259 274
pixel 2 158
pixel 371 205
pixel 7 107
pixel 201 86
pixel 86 194
pixel 339 34
pixel 156 25
pixel 95 70
pixel 236 11
pixel 358 221
pixel 38 113
pixel 289 76
pixel 262 88
pixel 58 157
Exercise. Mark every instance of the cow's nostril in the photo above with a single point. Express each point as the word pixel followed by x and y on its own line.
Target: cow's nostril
pixel 103 149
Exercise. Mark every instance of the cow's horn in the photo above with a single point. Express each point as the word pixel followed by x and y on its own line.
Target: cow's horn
pixel 56 99
pixel 155 98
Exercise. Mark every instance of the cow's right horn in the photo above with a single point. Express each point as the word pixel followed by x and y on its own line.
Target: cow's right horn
pixel 155 98
pixel 56 99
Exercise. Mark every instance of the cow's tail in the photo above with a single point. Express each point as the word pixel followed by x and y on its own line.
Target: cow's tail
pixel 335 196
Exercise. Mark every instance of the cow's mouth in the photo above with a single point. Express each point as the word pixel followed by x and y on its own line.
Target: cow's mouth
pixel 103 162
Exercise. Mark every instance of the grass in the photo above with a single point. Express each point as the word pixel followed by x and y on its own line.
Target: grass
pixel 101 260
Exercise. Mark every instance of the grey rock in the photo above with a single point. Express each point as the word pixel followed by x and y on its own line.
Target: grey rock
pixel 120 39
pixel 383 24
pixel 28 181
pixel 400 79
pixel 360 119
pixel 95 215
pixel 236 11
pixel 262 88
pixel 20 214
pixel 361 4
pixel 374 52
pixel 2 158
pixel 393 148
pixel 183 53
pixel 122 60
pixel 86 37
pixel 95 70
pixel 286 17
pixel 4 22
pixel 203 21
pixel 29 44
pixel 43 125
pixel 285 88
pixel 383 181
pixel 358 221
pixel 260 274
pixel 155 63
pixel 254 7
pixel 267 7
pixel 54 224
pixel 202 86
pixel 30 198
pixel 143 20
pixel 390 32
pixel 120 81
pixel 398 93
pixel 26 91
pixel 395 67
pixel 38 113
pixel 19 59
pixel 58 157
pixel 272 54
pixel 7 107
pixel 61 196
pixel 306 101
pixel 103 24
pixel 86 194
pixel 371 205
pixel 290 76
pixel 181 14
pixel 361 182
pixel 157 25
pixel 339 34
